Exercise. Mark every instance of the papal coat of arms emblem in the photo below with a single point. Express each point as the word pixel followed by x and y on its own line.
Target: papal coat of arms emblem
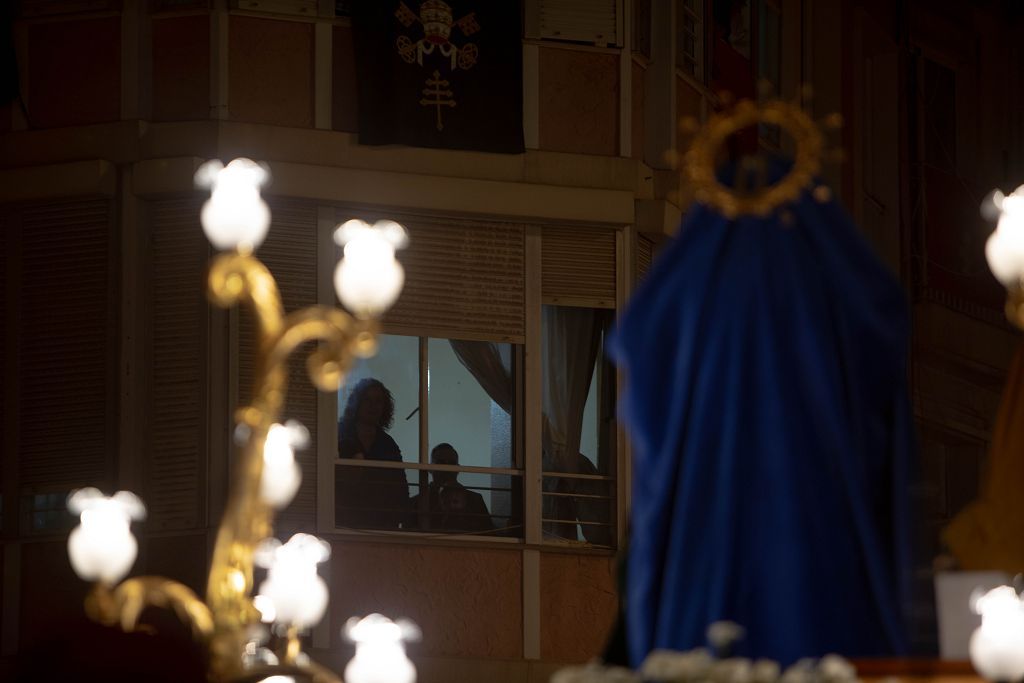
pixel 437 22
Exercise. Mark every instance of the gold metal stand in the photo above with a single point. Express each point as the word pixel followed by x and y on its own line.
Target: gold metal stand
pixel 224 621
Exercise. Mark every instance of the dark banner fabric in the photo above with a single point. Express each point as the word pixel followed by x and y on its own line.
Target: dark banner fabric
pixel 440 74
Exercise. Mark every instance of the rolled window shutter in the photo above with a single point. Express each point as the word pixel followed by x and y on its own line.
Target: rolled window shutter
pixel 175 476
pixel 290 254
pixel 38 8
pixel 67 328
pixel 644 255
pixel 300 8
pixel 9 328
pixel 586 21
pixel 463 280
pixel 578 267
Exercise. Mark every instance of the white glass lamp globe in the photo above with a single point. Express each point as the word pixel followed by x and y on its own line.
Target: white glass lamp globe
pixel 281 474
pixel 1004 249
pixel 380 651
pixel 369 278
pixel 298 594
pixel 102 547
pixel 997 646
pixel 235 216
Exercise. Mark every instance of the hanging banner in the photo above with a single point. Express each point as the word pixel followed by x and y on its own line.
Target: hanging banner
pixel 440 74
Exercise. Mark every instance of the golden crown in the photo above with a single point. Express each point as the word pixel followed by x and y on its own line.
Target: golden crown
pixel 699 162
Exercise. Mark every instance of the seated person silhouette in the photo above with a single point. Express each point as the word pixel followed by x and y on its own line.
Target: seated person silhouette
pixel 450 506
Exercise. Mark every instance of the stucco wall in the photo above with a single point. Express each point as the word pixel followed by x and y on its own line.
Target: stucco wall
pixel 577 605
pixel 468 602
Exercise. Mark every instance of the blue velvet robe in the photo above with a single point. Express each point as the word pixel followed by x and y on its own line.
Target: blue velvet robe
pixel 767 403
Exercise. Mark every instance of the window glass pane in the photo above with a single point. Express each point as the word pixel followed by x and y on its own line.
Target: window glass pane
pixel 578 391
pixel 689 37
pixel 642 27
pixel 373 495
pixel 47 512
pixel 396 366
pixel 468 503
pixel 770 44
pixel 590 437
pixel 471 389
pixel 578 426
pixel 579 509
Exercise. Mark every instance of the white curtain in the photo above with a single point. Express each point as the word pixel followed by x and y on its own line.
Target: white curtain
pixel 569 350
pixel 489 367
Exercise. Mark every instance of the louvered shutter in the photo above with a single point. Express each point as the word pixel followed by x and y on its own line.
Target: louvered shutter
pixel 585 21
pixel 300 8
pixel 578 267
pixel 463 280
pixel 66 346
pixel 644 256
pixel 10 328
pixel 36 8
pixel 175 476
pixel 290 254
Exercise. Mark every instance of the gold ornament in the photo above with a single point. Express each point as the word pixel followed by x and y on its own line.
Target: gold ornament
pixel 699 162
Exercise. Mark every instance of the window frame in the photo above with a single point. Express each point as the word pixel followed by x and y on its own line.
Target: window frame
pixel 527 374
pixel 606 390
pixel 698 60
pixel 422 464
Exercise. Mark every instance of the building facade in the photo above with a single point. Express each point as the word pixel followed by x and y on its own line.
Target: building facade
pixel 119 374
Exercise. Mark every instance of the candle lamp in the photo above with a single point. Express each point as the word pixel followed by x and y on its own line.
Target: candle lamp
pixel 231 623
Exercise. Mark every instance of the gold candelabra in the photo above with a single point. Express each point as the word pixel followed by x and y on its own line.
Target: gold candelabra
pixel 102 549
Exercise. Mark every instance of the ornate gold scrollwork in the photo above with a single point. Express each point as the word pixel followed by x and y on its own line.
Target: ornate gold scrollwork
pixel 239 278
pixel 224 620
pixel 123 605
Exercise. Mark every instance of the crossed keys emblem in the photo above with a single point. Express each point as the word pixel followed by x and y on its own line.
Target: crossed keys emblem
pixel 435 16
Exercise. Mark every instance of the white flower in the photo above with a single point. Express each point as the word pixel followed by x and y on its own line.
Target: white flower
pixel 836 668
pixel 722 634
pixel 765 671
pixel 800 672
pixel 732 670
pixel 670 666
pixel 595 672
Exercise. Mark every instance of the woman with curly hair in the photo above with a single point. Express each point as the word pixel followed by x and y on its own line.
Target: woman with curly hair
pixel 369 497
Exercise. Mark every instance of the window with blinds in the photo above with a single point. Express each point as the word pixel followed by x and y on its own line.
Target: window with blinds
pixel 644 256
pixel 175 477
pixel 578 266
pixel 290 253
pixel 65 341
pixel 43 8
pixel 300 8
pixel 580 21
pixel 463 280
pixel 690 32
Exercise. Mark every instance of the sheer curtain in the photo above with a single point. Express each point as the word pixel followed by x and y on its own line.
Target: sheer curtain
pixel 489 367
pixel 570 343
pixel 571 339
